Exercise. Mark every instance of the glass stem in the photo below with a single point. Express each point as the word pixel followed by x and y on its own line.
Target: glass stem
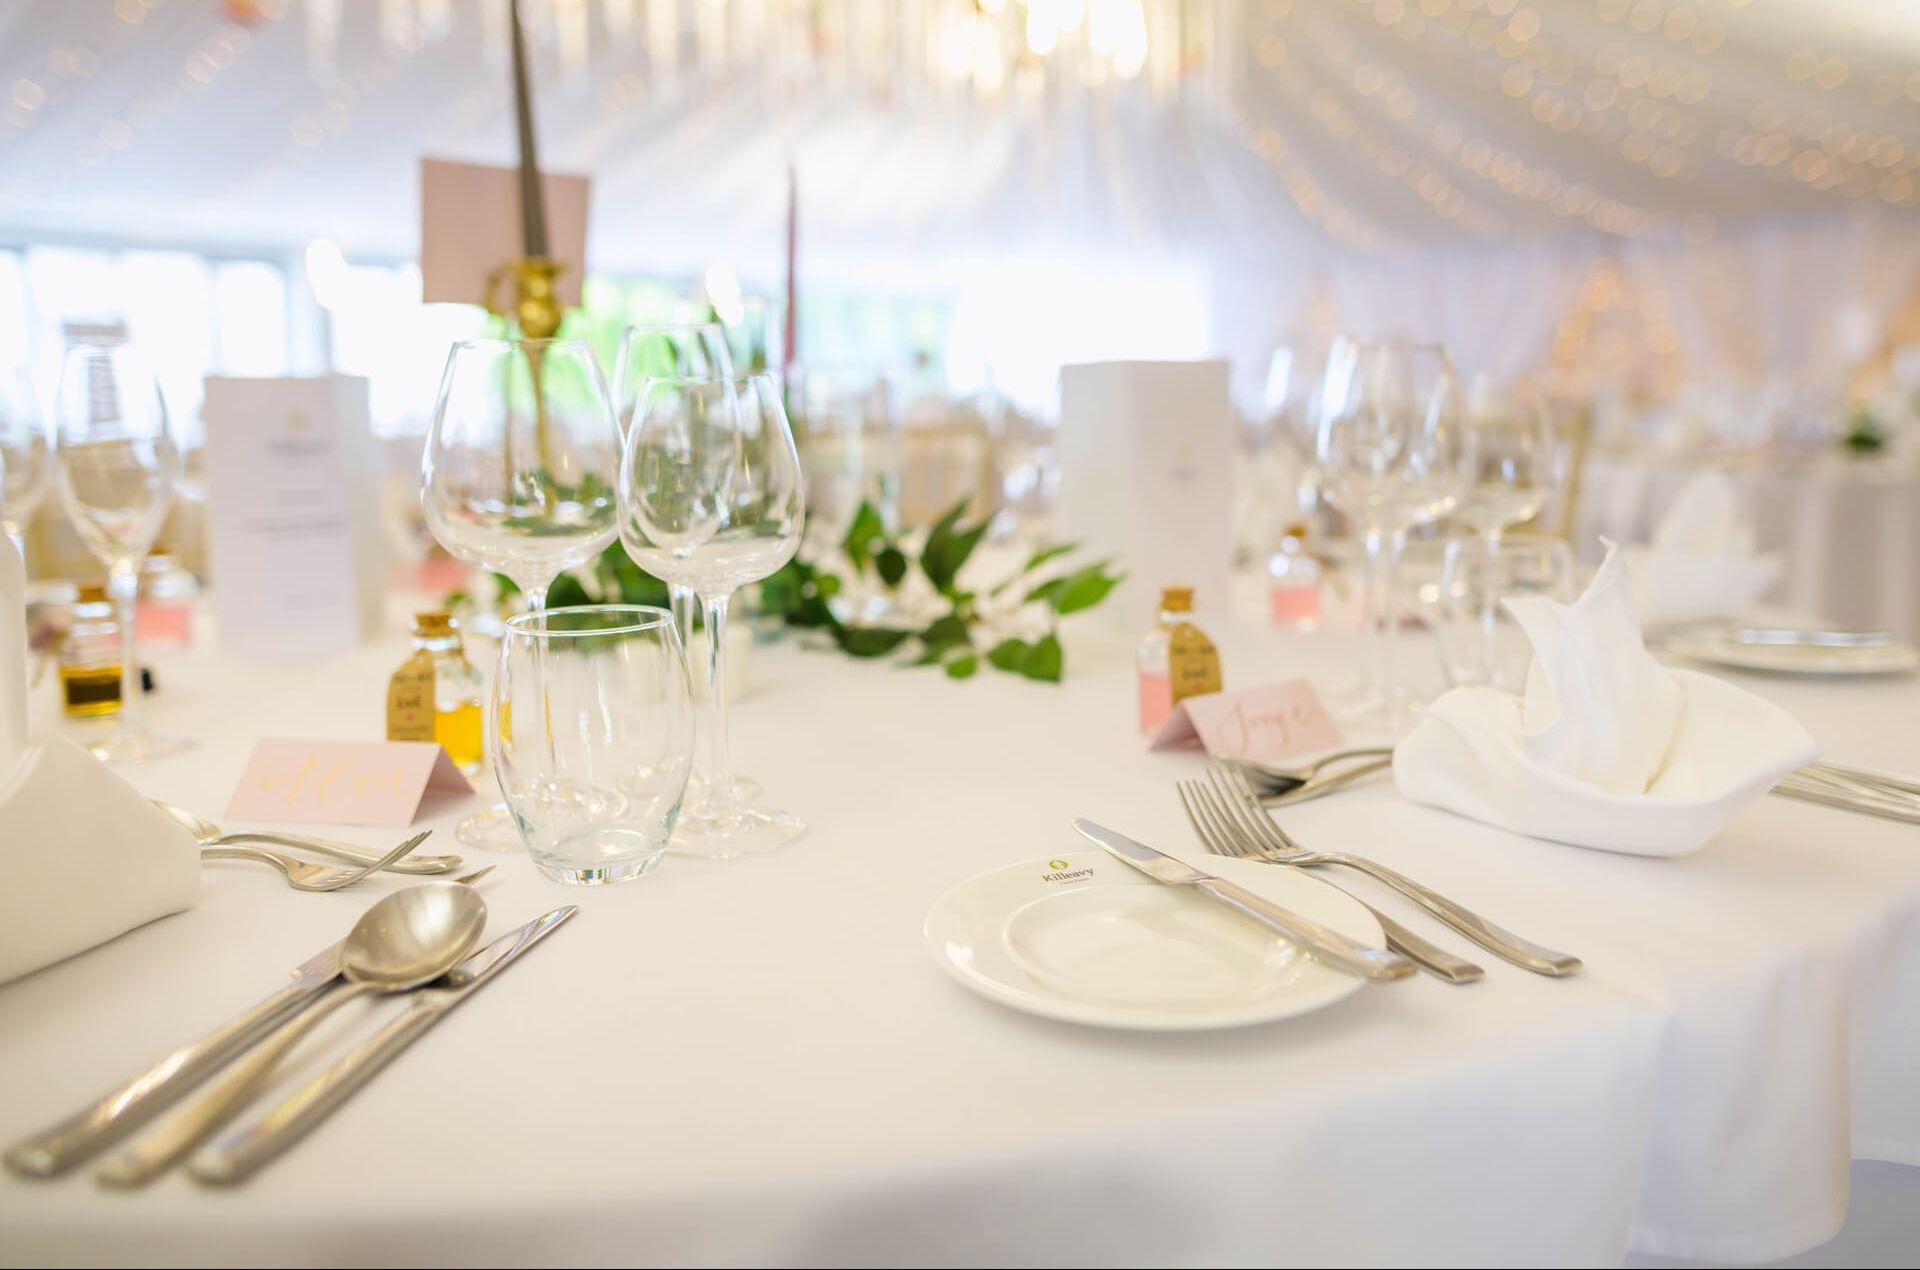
pixel 1490 606
pixel 684 602
pixel 719 757
pixel 123 584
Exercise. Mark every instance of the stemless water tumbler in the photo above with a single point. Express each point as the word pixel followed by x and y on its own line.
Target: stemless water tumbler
pixel 592 737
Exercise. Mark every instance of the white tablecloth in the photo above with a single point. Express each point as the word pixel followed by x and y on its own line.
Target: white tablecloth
pixel 1847 529
pixel 756 1061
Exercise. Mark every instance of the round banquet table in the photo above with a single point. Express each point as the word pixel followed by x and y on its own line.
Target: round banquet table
pixel 1847 529
pixel 757 1061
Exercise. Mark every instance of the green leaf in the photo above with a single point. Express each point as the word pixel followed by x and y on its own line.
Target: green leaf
pixel 869 641
pixel 864 536
pixel 1044 661
pixel 892 565
pixel 1045 592
pixel 948 547
pixel 1009 654
pixel 1084 588
pixel 946 632
pixel 1043 556
pixel 963 666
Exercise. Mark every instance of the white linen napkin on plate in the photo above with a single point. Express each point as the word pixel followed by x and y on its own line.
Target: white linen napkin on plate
pixel 1608 748
pixel 1701 563
pixel 83 857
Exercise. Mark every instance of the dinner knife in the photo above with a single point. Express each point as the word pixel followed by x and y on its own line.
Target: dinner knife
pixel 84 1134
pixel 237 1154
pixel 1322 943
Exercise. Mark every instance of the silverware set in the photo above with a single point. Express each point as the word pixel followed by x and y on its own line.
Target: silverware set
pixel 304 875
pixel 419 941
pixel 1227 816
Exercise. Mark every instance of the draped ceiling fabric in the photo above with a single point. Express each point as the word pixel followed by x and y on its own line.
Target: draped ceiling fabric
pixel 1451 167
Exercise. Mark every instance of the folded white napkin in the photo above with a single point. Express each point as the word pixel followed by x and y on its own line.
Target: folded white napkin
pixel 1701 563
pixel 1608 748
pixel 83 857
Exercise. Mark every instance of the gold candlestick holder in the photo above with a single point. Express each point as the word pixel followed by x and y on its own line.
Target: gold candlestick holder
pixel 536 311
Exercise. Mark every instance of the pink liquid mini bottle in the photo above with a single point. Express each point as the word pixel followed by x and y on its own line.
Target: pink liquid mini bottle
pixel 1293 585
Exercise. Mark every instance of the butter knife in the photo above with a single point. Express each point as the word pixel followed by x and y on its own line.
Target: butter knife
pixel 237 1154
pixel 1322 943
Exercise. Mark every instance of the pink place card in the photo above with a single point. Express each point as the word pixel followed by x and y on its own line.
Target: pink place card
pixel 1264 724
pixel 470 227
pixel 342 782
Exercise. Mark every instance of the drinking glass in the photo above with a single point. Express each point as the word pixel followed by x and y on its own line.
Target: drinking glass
pixel 24 458
pixel 1391 456
pixel 518 476
pixel 117 466
pixel 711 496
pixel 594 737
pixel 1520 565
pixel 673 350
pixel 1512 468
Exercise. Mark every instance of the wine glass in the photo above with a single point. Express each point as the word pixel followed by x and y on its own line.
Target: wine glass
pixel 518 477
pixel 117 466
pixel 1512 467
pixel 1391 456
pixel 670 350
pixel 24 458
pixel 711 495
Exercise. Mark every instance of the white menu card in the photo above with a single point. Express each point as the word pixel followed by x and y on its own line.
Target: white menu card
pixel 1144 477
pixel 293 533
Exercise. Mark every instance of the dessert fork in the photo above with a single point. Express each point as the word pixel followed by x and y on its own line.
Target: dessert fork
pixel 304 875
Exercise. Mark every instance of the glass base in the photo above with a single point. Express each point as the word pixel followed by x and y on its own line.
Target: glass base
pixel 490 830
pixel 1374 715
pixel 601 874
pixel 138 744
pixel 742 793
pixel 741 830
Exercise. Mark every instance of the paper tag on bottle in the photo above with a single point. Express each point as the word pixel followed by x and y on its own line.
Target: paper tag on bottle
pixel 1264 724
pixel 1193 664
pixel 410 700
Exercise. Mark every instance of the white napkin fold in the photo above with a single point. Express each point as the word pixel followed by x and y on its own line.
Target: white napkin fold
pixel 1701 563
pixel 1608 748
pixel 83 857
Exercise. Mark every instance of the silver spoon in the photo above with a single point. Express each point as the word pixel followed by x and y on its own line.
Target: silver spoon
pixel 409 938
pixel 208 834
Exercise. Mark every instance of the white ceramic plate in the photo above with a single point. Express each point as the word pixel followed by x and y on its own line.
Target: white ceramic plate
pixel 1796 659
pixel 1084 938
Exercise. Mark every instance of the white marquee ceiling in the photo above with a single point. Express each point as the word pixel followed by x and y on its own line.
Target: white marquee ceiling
pixel 929 129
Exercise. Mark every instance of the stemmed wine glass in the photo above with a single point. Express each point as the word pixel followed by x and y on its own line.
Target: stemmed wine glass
pixel 518 477
pixel 1513 465
pixel 24 458
pixel 711 496
pixel 674 350
pixel 1391 456
pixel 118 467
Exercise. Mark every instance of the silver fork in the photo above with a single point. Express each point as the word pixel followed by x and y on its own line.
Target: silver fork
pixel 304 875
pixel 1237 800
pixel 1218 837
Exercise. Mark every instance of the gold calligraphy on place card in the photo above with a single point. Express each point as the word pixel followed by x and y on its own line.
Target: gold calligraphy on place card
pixel 1193 664
pixel 342 782
pixel 1264 724
pixel 410 700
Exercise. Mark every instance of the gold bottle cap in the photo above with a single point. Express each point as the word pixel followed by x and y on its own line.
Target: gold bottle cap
pixel 1176 599
pixel 91 593
pixel 433 622
pixel 1298 529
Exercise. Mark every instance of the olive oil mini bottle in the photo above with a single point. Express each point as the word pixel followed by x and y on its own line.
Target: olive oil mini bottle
pixel 435 695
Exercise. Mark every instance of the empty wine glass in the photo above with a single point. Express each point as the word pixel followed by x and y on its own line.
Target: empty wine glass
pixel 1391 456
pixel 518 477
pixel 595 738
pixel 671 350
pixel 117 466
pixel 711 495
pixel 1512 467
pixel 24 458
